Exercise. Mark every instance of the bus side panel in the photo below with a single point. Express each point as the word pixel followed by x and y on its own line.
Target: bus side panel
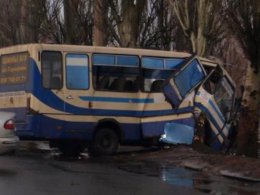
pixel 154 126
pixel 132 133
pixel 49 127
pixel 28 127
pixel 45 127
pixel 46 98
pixel 27 124
pixel 52 128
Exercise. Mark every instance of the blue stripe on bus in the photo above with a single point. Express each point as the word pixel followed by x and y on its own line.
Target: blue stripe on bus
pixel 117 99
pixel 209 114
pixel 216 109
pixel 213 141
pixel 211 118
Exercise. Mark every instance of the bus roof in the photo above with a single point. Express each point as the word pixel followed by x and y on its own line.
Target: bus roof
pixel 98 49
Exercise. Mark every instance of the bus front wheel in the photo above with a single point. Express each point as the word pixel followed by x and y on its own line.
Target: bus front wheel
pixel 105 142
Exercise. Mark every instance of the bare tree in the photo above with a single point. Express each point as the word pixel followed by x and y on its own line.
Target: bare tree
pixel 29 21
pixel 35 19
pixel 78 16
pixel 53 29
pixel 243 18
pixel 70 9
pixel 244 21
pixel 140 23
pixel 158 26
pixel 124 20
pixel 201 22
pixel 10 22
pixel 100 23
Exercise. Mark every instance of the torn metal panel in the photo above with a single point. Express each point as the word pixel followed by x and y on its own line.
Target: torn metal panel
pixel 177 133
pixel 155 126
pixel 182 82
pixel 215 99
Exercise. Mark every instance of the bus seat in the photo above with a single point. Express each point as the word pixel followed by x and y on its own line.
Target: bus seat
pixel 118 84
pixel 157 86
pixel 136 84
pixel 129 85
pixel 104 83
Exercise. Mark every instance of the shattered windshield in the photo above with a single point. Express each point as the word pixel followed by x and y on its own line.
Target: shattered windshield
pixel 224 96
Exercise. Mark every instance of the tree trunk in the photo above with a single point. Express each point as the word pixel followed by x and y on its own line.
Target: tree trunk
pixel 202 21
pixel 23 18
pixel 197 20
pixel 161 18
pixel 128 28
pixel 70 7
pixel 249 118
pixel 258 70
pixel 67 19
pixel 99 23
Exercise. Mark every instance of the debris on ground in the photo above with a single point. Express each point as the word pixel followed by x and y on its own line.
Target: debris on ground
pixel 239 175
pixel 204 161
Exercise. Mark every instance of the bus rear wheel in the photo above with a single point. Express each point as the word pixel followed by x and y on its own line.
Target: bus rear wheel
pixel 105 142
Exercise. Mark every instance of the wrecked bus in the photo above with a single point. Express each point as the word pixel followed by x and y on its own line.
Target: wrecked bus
pixel 100 97
pixel 211 93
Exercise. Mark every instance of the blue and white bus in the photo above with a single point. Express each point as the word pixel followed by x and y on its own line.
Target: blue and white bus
pixel 101 97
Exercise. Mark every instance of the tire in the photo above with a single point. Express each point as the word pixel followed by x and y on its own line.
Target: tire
pixel 105 142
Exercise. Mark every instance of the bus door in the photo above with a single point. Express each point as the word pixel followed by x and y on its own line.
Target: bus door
pixel 61 93
pixel 62 88
pixel 75 85
pixel 215 99
pixel 48 91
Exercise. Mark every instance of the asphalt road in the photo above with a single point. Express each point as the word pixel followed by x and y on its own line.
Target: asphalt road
pixel 35 169
pixel 37 173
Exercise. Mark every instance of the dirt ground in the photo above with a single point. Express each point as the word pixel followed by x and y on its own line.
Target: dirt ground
pixel 150 161
pixel 197 158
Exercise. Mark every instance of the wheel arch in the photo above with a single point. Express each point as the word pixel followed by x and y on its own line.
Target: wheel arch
pixel 113 125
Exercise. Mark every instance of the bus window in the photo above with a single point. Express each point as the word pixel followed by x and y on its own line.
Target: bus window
pixel 118 60
pixel 155 70
pixel 77 71
pixel 173 63
pixel 51 70
pixel 117 73
pixel 152 63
